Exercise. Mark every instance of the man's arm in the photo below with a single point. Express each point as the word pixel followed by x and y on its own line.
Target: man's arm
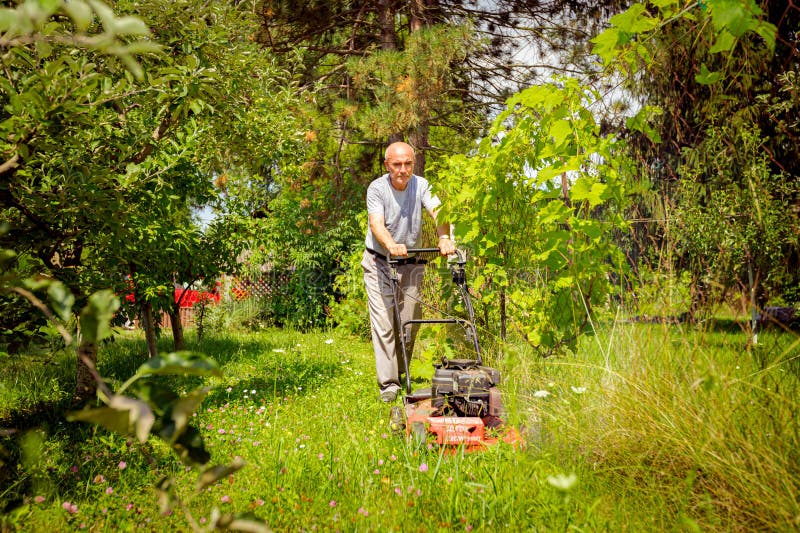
pixel 378 226
pixel 445 244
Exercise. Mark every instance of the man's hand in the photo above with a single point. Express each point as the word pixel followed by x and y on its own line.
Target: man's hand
pixel 398 250
pixel 446 246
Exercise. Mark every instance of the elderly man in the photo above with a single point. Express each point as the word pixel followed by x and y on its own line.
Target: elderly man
pixel 394 204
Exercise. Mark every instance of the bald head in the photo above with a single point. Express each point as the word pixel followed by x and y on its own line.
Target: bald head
pixel 398 148
pixel 399 162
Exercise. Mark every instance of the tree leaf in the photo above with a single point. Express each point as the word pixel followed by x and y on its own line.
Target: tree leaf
pixel 724 43
pixel 140 416
pixel 104 13
pixel 605 44
pixel 242 522
pixel 61 299
pixel 731 15
pixel 635 19
pixel 190 447
pixel 641 122
pixel 143 46
pixel 130 26
pixel 111 419
pixel 9 18
pixel 95 318
pixel 165 490
pixel 43 49
pixel 180 363
pixel 123 415
pixel 213 474
pixel 706 77
pixel 767 32
pixel 585 189
pixel 564 282
pixel 185 407
pixel 560 130
pixel 80 13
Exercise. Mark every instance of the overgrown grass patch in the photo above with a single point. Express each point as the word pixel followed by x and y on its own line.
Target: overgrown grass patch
pixel 687 420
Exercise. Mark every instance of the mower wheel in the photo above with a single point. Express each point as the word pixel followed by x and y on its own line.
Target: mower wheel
pixel 419 432
pixel 397 420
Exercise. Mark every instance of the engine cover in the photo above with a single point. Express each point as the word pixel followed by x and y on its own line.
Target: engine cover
pixel 463 388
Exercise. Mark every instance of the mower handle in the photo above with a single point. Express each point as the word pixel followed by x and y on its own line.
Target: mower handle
pixel 459 278
pixel 391 258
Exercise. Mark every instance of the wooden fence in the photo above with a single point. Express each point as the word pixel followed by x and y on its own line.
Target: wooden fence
pixel 227 288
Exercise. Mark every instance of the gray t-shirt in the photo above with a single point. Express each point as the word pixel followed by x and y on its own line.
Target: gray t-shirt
pixel 401 210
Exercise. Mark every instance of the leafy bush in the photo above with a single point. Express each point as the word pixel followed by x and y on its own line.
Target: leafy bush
pixel 538 205
pixel 348 305
pixel 299 302
pixel 20 324
pixel 228 315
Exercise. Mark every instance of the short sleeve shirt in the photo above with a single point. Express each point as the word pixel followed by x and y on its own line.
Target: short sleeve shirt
pixel 401 210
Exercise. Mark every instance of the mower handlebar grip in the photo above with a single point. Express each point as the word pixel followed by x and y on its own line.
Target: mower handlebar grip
pixel 427 251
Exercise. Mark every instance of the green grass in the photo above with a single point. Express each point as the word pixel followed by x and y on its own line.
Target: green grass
pixel 648 427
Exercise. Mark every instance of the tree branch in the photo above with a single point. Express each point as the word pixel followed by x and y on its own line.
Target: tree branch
pixel 9 164
pixel 37 303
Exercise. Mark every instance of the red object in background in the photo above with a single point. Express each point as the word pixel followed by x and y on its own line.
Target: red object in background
pixel 129 284
pixel 192 297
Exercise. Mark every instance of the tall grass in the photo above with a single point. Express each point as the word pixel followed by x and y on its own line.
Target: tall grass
pixel 688 421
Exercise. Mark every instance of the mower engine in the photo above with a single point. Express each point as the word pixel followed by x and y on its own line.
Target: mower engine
pixel 462 387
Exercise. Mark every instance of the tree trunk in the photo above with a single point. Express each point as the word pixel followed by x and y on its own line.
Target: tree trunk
pixel 419 140
pixel 177 327
pixel 149 326
pixel 85 384
pixel 176 323
pixel 386 14
pixel 421 18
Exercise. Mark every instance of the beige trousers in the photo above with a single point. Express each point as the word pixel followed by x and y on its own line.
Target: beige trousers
pixel 389 363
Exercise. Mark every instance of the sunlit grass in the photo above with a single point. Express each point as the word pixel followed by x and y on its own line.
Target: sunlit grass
pixel 30 381
pixel 645 428
pixel 682 420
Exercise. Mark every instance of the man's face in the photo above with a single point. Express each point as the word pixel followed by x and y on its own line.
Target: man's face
pixel 400 164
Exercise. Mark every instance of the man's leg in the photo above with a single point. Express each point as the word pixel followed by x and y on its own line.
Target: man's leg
pixel 378 284
pixel 410 308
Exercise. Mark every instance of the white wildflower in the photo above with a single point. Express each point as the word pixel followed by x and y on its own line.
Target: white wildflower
pixel 562 482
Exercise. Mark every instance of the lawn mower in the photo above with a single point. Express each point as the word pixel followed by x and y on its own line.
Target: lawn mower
pixel 462 407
